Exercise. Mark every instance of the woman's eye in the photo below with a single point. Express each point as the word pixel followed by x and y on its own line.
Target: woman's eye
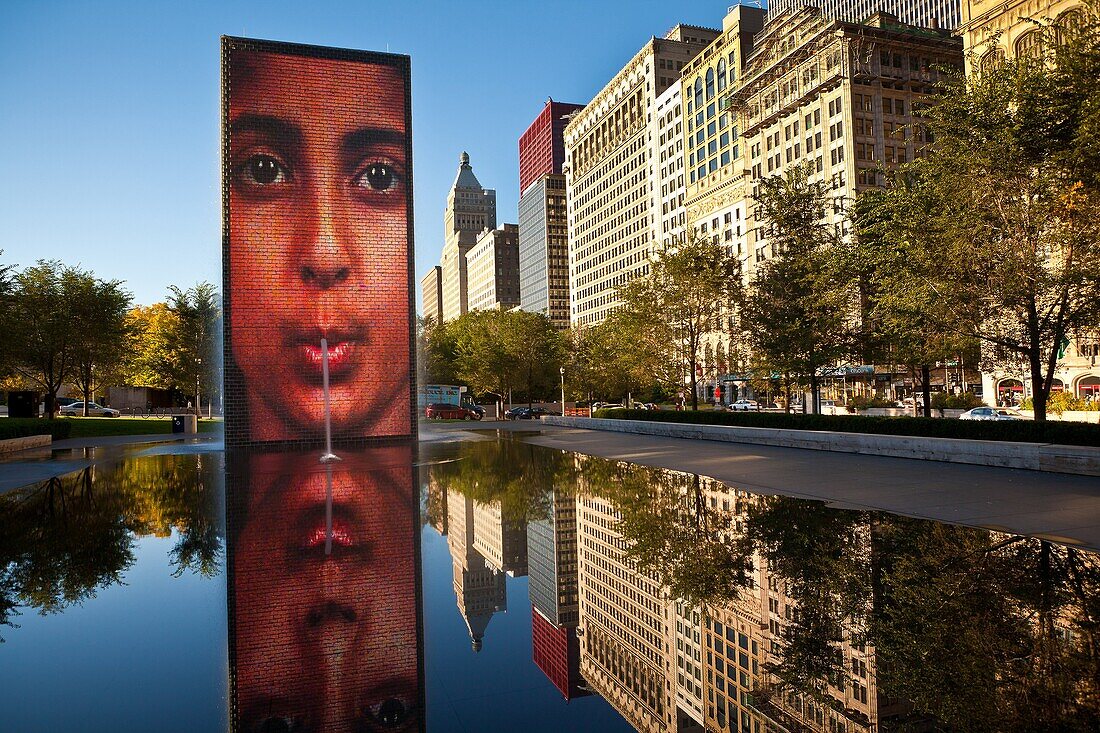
pixel 378 177
pixel 264 170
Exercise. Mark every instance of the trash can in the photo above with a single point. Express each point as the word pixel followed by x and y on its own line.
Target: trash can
pixel 185 424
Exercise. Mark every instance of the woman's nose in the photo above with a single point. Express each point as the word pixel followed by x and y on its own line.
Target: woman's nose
pixel 325 260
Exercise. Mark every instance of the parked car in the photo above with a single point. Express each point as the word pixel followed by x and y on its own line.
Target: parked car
pixel 74 409
pixel 990 413
pixel 528 413
pixel 444 411
pixel 744 406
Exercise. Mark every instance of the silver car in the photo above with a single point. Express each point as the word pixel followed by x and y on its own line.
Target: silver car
pixel 989 413
pixel 75 409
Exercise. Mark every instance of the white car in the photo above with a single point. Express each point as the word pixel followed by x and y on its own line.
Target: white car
pixel 744 405
pixel 76 409
pixel 989 413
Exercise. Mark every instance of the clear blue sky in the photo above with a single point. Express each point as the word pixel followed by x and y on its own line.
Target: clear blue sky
pixel 109 119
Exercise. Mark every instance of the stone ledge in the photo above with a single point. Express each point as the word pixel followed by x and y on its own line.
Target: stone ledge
pixel 1080 460
pixel 12 445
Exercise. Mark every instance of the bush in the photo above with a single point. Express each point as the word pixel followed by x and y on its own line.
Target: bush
pixel 964 401
pixel 862 403
pixel 1024 431
pixel 15 427
pixel 1060 402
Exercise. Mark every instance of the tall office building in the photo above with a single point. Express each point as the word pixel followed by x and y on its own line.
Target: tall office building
pixel 667 139
pixel 471 209
pixel 926 13
pixel 500 539
pixel 610 170
pixel 492 270
pixel 431 287
pixel 542 145
pixel 543 245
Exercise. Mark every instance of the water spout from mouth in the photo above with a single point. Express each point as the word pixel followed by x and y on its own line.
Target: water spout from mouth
pixel 328 454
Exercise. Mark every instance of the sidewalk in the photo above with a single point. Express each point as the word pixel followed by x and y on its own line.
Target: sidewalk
pixel 1058 507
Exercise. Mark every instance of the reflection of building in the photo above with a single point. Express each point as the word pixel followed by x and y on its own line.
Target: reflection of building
pixel 543 250
pixel 624 620
pixel 501 540
pixel 610 166
pixel 492 270
pixel 470 210
pixel 431 285
pixel 479 587
pixel 992 31
pixel 552 583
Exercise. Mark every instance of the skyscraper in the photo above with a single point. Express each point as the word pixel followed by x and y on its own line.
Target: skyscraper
pixel 543 253
pixel 927 13
pixel 431 285
pixel 609 167
pixel 470 210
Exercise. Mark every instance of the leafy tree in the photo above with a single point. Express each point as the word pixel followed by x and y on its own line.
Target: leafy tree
pixel 7 316
pixel 194 345
pixel 151 330
pixel 1001 220
pixel 798 307
pixel 44 325
pixel 896 325
pixel 536 349
pixel 436 351
pixel 605 359
pixel 667 314
pixel 100 310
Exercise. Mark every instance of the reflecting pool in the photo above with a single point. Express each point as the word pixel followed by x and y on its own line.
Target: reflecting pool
pixel 496 585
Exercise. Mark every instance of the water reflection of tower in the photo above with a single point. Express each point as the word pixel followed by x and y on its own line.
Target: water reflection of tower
pixel 552 584
pixel 623 622
pixel 479 587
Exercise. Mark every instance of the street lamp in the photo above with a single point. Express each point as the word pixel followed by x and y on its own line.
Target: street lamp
pixel 561 371
pixel 198 397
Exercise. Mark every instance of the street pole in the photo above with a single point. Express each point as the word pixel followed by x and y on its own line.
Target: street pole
pixel 561 370
pixel 198 398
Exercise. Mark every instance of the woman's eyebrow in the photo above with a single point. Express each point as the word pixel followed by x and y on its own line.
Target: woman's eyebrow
pixel 274 126
pixel 367 137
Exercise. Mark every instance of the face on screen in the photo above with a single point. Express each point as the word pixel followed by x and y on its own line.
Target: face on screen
pixel 317 176
pixel 325 621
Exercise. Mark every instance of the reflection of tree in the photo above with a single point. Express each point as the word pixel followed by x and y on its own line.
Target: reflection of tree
pixel 970 630
pixel 671 530
pixel 518 475
pixel 63 541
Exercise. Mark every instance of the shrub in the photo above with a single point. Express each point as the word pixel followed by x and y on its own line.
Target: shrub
pixel 15 427
pixel 1024 431
pixel 860 402
pixel 1060 402
pixel 964 401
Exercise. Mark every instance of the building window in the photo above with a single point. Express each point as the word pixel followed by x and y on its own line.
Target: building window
pixel 721 74
pixel 1030 44
pixel 710 84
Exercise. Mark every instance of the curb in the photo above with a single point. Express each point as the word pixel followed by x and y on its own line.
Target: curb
pixel 14 445
pixel 1077 460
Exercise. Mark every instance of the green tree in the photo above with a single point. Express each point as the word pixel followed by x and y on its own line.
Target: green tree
pixel 535 347
pixel 194 345
pixel 44 325
pixel 100 311
pixel 798 309
pixel 689 289
pixel 1001 219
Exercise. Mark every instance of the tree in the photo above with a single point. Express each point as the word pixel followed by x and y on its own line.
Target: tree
pixel 667 314
pixel 151 330
pixel 7 316
pixel 895 323
pixel 536 349
pixel 798 307
pixel 194 345
pixel 1001 220
pixel 100 313
pixel 44 327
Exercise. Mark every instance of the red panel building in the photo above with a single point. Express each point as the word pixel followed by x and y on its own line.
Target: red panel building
pixel 542 146
pixel 556 651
